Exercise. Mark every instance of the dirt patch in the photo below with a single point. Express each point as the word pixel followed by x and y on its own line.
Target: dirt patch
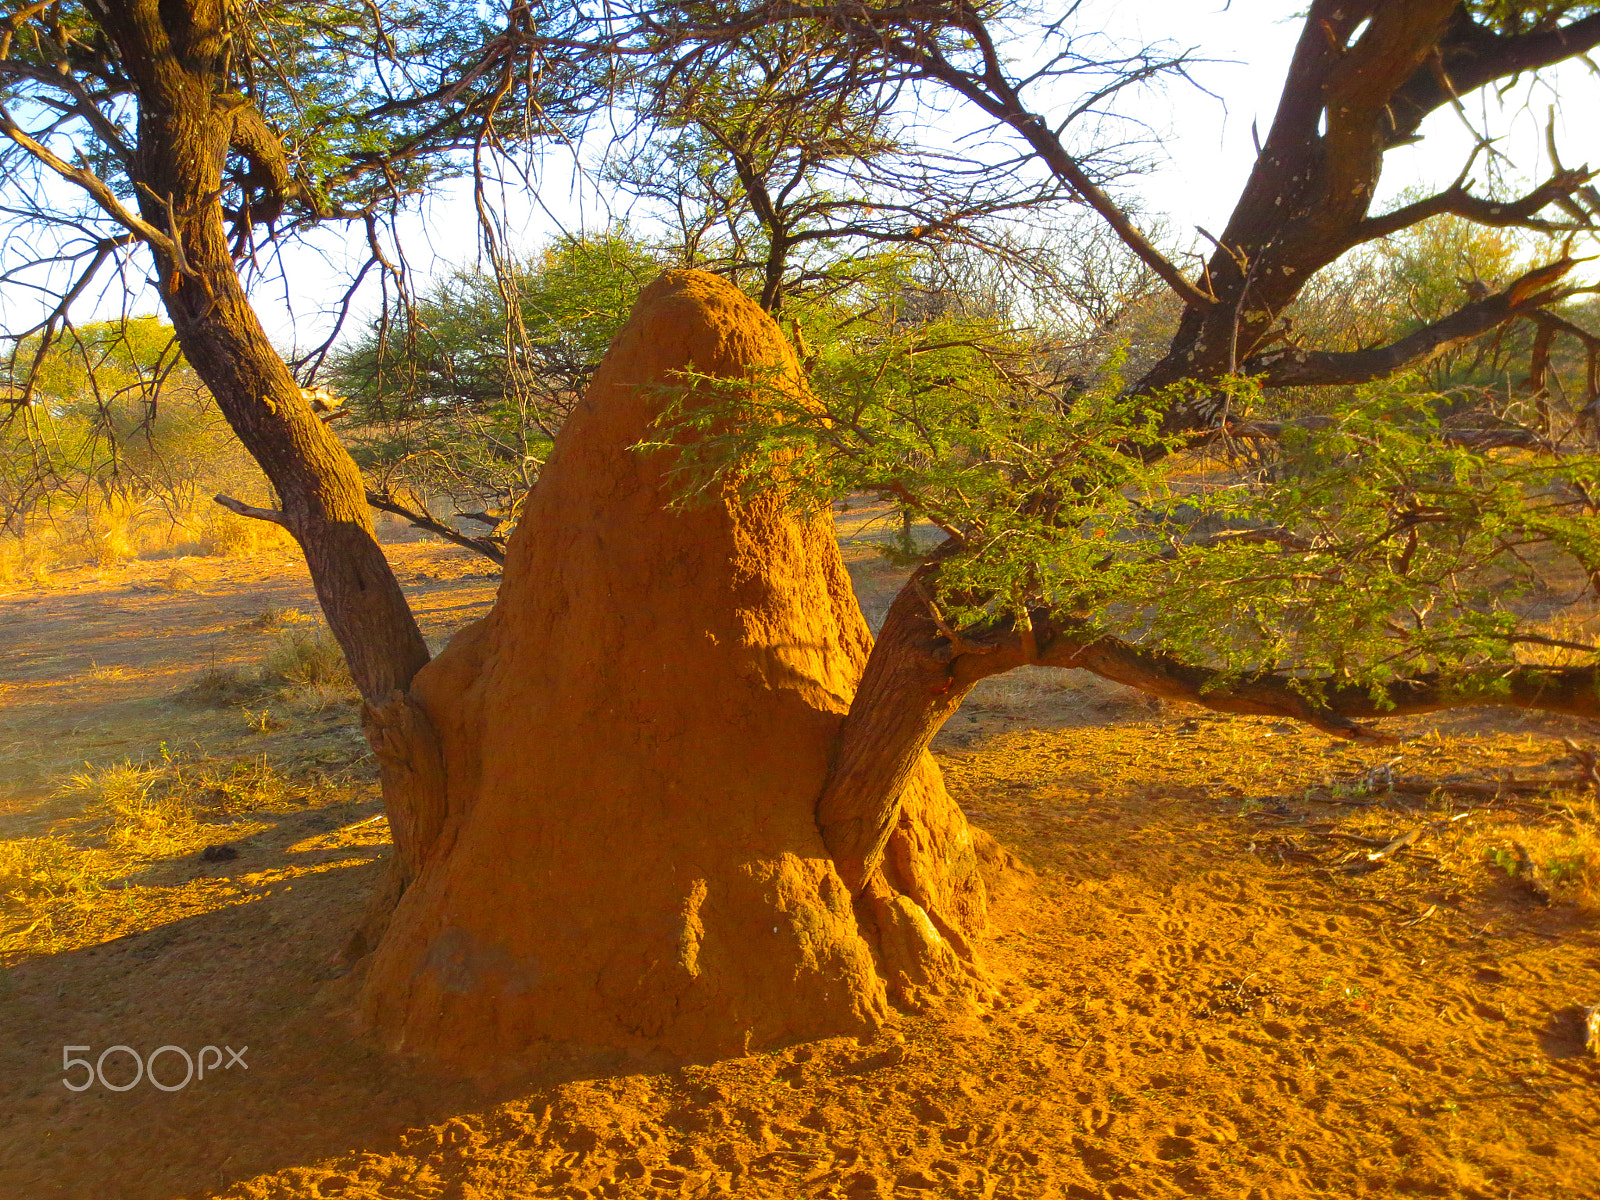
pixel 1205 992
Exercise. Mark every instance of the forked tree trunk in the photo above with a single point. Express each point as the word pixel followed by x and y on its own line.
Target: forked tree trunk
pixel 634 744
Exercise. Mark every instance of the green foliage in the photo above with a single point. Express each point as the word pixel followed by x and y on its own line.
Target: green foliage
pixel 364 96
pixel 461 394
pixel 480 343
pixel 1380 551
pixel 1375 548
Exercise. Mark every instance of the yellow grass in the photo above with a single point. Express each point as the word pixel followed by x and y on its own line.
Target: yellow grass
pixel 102 532
pixel 303 667
pixel 127 818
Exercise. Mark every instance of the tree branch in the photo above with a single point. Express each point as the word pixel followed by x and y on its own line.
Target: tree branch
pixel 249 510
pixel 1457 201
pixel 1334 708
pixel 490 547
pixel 91 183
pixel 1331 707
pixel 1472 55
pixel 1295 367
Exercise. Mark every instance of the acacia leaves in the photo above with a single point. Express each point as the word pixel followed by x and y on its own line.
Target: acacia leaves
pixel 1373 548
pixel 1377 550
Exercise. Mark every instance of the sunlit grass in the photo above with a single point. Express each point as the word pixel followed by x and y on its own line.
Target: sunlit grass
pixel 126 818
pixel 303 667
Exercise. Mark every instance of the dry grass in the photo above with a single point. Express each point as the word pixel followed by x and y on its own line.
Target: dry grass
pixel 45 869
pixel 273 618
pixel 105 532
pixel 303 668
pixel 24 563
pixel 306 658
pixel 1547 846
pixel 171 805
pixel 130 817
pixel 1578 623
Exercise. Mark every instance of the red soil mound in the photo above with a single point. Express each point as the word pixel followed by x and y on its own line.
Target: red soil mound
pixel 634 741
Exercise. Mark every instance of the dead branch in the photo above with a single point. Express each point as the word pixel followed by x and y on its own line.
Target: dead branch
pixel 1296 367
pixel 1504 214
pixel 249 510
pixel 490 547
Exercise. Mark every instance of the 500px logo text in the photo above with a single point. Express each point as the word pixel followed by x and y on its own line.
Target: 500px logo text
pixel 145 1068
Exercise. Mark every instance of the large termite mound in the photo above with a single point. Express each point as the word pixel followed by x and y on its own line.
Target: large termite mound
pixel 633 743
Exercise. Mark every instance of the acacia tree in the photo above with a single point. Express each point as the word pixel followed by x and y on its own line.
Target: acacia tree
pixel 181 144
pixel 694 678
pixel 1067 544
pixel 764 171
pixel 1014 581
pixel 197 136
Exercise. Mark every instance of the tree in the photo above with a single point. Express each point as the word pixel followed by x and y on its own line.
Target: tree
pixel 673 721
pixel 1023 498
pixel 199 134
pixel 451 401
pixel 767 173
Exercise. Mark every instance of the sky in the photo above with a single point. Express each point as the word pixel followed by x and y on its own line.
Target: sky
pixel 1204 154
pixel 1205 142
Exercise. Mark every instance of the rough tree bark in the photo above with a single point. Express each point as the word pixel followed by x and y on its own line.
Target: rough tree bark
pixel 634 743
pixel 188 124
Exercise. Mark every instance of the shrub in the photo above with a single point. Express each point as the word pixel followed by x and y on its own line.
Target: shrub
pixel 224 533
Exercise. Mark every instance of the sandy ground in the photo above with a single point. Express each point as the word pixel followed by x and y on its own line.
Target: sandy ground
pixel 1208 988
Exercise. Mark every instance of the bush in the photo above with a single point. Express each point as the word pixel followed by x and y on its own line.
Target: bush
pixel 23 562
pixel 226 534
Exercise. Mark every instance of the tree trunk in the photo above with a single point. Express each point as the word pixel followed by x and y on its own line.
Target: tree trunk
pixel 634 743
pixel 186 124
